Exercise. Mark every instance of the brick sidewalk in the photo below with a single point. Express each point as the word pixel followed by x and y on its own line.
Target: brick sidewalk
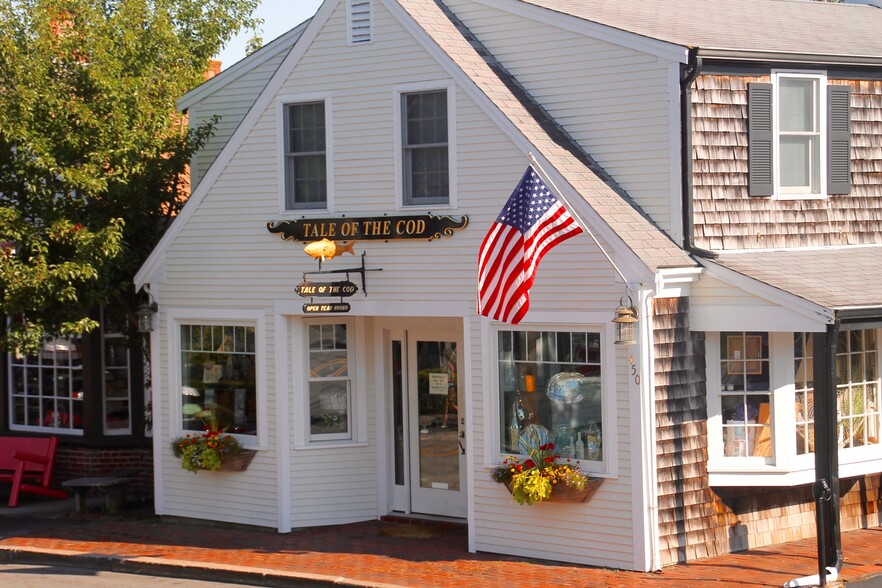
pixel 385 554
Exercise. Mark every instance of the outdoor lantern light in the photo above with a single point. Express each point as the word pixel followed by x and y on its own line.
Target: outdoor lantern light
pixel 145 316
pixel 626 319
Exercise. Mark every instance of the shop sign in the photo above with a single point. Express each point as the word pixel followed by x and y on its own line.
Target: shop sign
pixel 424 226
pixel 342 289
pixel 325 308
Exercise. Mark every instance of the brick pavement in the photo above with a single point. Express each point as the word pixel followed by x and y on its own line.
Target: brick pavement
pixel 382 554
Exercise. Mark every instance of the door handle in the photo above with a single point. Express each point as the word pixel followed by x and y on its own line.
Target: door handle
pixel 461 439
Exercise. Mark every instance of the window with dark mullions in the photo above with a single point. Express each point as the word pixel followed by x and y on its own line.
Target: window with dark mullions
pixel 306 185
pixel 426 163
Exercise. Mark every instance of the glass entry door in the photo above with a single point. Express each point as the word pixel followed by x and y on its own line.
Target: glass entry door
pixel 436 424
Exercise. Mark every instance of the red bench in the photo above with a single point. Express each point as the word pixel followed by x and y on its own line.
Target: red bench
pixel 27 462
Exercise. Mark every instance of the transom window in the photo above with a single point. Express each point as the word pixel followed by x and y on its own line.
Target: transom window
pixel 306 185
pixel 552 379
pixel 425 141
pixel 218 381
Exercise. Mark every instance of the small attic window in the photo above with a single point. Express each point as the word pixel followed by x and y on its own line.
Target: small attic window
pixel 358 14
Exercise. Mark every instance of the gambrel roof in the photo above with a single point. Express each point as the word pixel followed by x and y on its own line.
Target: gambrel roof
pixel 742 28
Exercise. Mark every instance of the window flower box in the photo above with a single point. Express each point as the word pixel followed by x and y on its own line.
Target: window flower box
pixel 212 450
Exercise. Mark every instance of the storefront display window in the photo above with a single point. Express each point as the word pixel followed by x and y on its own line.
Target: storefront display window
pixel 218 385
pixel 552 379
pixel 330 396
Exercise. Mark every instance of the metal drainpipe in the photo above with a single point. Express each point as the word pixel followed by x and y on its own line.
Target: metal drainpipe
pixel 691 72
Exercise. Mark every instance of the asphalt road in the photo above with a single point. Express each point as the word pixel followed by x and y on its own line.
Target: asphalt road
pixel 37 576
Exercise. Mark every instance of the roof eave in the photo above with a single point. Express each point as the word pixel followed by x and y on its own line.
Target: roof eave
pixel 759 56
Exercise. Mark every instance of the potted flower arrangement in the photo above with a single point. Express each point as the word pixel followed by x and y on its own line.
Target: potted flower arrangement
pixel 211 450
pixel 541 476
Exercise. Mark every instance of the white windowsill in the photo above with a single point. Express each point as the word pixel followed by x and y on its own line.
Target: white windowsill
pixel 772 476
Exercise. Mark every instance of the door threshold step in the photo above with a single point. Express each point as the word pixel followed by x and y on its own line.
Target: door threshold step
pixel 424 520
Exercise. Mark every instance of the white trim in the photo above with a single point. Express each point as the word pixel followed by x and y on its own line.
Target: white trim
pixel 820 80
pixel 384 434
pixel 661 49
pixel 469 428
pixel 219 316
pixel 283 42
pixel 644 464
pixel 675 153
pixel 291 100
pixel 676 282
pixel 398 143
pixel 147 272
pixel 158 397
pixel 626 259
pixel 283 422
pixel 720 317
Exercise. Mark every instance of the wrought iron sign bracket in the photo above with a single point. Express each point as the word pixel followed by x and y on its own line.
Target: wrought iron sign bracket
pixel 358 270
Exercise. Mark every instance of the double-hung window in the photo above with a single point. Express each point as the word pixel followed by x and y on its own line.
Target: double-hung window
pixel 799 136
pixel 426 159
pixel 306 165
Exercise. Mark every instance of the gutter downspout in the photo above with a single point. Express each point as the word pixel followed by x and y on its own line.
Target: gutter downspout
pixel 691 71
pixel 826 486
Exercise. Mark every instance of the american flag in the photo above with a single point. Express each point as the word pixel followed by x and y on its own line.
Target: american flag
pixel 530 224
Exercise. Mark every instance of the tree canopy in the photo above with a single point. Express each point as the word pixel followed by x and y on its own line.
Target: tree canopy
pixel 91 149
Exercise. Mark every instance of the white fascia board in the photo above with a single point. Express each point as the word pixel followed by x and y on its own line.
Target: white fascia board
pixel 635 269
pixel 282 43
pixel 664 50
pixel 811 310
pixel 314 25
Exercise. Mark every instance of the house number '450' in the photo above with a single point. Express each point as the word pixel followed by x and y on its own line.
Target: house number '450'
pixel 634 369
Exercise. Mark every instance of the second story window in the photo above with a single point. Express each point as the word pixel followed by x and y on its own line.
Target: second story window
pixel 799 136
pixel 426 159
pixel 306 177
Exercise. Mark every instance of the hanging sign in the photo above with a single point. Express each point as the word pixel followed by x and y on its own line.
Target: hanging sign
pixel 325 308
pixel 423 226
pixel 342 289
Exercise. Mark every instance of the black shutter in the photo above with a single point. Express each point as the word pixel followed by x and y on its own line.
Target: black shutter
pixel 838 140
pixel 760 139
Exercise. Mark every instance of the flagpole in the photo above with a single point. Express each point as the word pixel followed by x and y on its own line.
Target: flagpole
pixel 576 216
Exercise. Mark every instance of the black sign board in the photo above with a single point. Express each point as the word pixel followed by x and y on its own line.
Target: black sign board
pixel 325 308
pixel 342 289
pixel 424 226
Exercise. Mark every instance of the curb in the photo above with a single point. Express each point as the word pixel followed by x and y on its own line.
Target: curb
pixel 178 569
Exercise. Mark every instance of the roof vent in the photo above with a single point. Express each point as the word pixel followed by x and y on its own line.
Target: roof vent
pixel 358 13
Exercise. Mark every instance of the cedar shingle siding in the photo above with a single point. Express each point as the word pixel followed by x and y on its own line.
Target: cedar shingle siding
pixel 695 520
pixel 727 218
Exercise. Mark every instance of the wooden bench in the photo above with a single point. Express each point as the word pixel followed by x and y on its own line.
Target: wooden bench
pixel 27 463
pixel 113 488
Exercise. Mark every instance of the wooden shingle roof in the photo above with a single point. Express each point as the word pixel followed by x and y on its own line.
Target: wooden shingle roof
pixel 784 26
pixel 646 240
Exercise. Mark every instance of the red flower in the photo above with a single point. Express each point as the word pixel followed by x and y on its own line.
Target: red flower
pixel 529 464
pixel 549 460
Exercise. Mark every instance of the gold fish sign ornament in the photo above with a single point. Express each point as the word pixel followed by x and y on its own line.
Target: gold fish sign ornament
pixel 327 249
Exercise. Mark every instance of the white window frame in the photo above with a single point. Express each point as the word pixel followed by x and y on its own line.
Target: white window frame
pixel 786 467
pixel 605 468
pixel 398 137
pixel 282 102
pixel 221 317
pixel 299 345
pixel 820 82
